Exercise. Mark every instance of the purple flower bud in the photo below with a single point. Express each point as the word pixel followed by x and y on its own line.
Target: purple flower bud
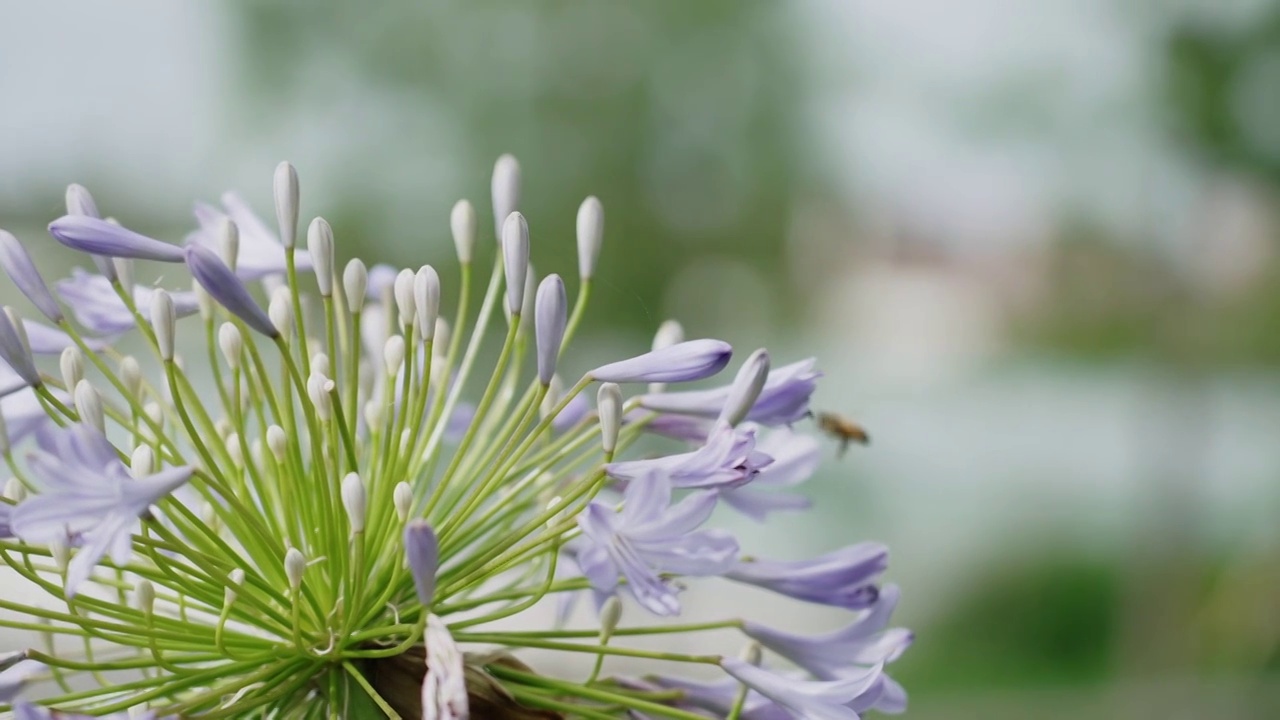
pixel 841 578
pixel 682 362
pixel 80 202
pixel 17 263
pixel 222 285
pixel 99 237
pixel 423 553
pixel 14 349
pixel 550 315
pixel 515 258
pixel 746 387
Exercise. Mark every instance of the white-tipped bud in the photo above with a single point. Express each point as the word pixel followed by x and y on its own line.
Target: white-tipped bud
pixel 89 405
pixel 751 653
pixel 277 442
pixel 462 221
pixel 402 499
pixel 669 333
pixel 373 415
pixel 552 507
pixel 295 565
pixel 223 427
pixel 393 354
pixel 286 194
pixel 234 450
pixel 155 413
pixel 746 387
pixel 426 300
pixel 403 290
pixel 209 516
pixel 164 320
pixel 60 549
pixel 515 259
pixel 609 407
pixel 131 376
pixel 610 616
pixel 204 301
pixel 320 245
pixel 353 500
pixel 71 363
pixel 318 387
pixel 15 490
pixel 280 311
pixel 235 581
pixel 590 236
pixel 229 242
pixel 231 343
pixel 142 462
pixel 123 269
pixel 505 188
pixel 256 450
pixel 320 363
pixel 144 595
pixel 355 283
pixel 80 202
pixel 555 389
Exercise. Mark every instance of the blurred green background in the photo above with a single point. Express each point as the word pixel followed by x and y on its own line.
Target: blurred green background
pixel 1034 245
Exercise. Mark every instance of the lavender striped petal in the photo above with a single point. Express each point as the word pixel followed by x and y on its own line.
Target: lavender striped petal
pixel 222 284
pixel 682 362
pixel 15 352
pixel 17 264
pixel 99 237
pixel 423 553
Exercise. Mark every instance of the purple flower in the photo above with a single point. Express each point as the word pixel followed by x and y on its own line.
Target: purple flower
pixel 422 550
pixel 795 458
pixel 22 411
pixel 17 264
pixel 97 307
pixel 682 362
pixel 29 711
pixel 16 676
pixel 14 349
pixel 717 696
pixel 677 427
pixel 99 237
pixel 549 316
pixel 6 512
pixel 87 491
pixel 444 687
pixel 572 414
pixel 866 641
pixel 46 340
pixel 842 578
pixel 651 536
pixel 810 699
pixel 728 459
pixel 784 399
pixel 261 253
pixel 10 381
pixel 223 285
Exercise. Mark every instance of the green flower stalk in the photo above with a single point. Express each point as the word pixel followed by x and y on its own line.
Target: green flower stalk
pixel 335 511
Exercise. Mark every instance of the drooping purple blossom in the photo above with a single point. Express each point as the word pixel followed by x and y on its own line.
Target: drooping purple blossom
pixel 222 285
pixel 99 237
pixel 261 252
pixel 784 399
pixel 87 492
pixel 841 578
pixel 422 550
pixel 14 350
pixel 651 536
pixel 728 459
pixel 795 458
pixel 815 699
pixel 866 641
pixel 682 362
pixel 96 305
pixel 19 267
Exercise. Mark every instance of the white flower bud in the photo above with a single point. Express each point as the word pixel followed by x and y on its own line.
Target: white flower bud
pixel 402 499
pixel 235 581
pixel 320 245
pixel 610 616
pixel 404 297
pixel 60 549
pixel 318 388
pixel 164 320
pixel 229 242
pixel 131 376
pixel 223 427
pixel 155 413
pixel 123 268
pixel 277 442
pixel 89 405
pixel 15 490
pixel 204 301
pixel 746 387
pixel 234 450
pixel 80 201
pixel 555 389
pixel 294 567
pixel 231 343
pixel 353 500
pixel 280 311
pixel 209 516
pixel 72 365
pixel 669 333
pixel 590 236
pixel 609 406
pixel 142 462
pixel 515 260
pixel 373 415
pixel 393 354
pixel 751 653
pixel 320 363
pixel 426 300
pixel 144 595
pixel 355 282
pixel 462 221
pixel 286 194
pixel 505 188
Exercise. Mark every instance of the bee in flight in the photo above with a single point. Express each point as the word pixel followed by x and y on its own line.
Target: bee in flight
pixel 843 429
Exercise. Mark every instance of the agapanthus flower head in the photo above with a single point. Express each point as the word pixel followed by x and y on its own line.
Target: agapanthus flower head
pixel 337 507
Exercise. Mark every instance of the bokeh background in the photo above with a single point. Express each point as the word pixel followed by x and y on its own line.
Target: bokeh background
pixel 1034 245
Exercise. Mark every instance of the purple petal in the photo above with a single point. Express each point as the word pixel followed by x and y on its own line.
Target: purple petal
pixel 423 553
pixel 842 578
pixel 572 414
pixel 817 699
pixel 223 285
pixel 16 353
pixel 550 316
pixel 97 307
pixel 46 340
pixel 784 399
pixel 682 362
pixel 99 237
pixel 18 265
pixel 6 511
pixel 16 676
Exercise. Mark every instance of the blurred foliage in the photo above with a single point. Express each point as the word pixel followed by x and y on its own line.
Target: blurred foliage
pixel 679 116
